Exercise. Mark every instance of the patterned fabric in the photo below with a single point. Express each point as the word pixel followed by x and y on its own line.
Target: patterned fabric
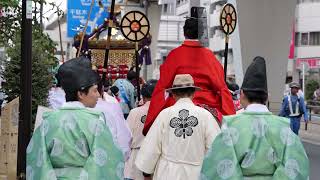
pixel 56 98
pixel 216 114
pixel 256 145
pixel 169 153
pixel 143 119
pixel 183 124
pixel 73 143
pixel 128 91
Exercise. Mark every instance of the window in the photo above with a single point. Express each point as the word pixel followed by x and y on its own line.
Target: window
pixel 304 39
pixel 297 39
pixel 165 8
pixel 307 1
pixel 314 38
pixel 211 32
pixel 212 8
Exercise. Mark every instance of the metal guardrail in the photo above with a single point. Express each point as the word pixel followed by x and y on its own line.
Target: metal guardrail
pixel 310 108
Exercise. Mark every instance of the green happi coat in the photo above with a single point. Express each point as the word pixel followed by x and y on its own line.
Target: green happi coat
pixel 73 143
pixel 256 146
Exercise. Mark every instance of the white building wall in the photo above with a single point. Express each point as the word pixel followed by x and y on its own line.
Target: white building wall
pixel 308 17
pixel 307 20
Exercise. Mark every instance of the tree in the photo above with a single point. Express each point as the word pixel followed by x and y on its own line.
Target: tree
pixel 10 15
pixel 42 62
pixel 311 86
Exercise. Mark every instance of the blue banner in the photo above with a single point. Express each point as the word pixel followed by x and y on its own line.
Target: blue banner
pixel 77 14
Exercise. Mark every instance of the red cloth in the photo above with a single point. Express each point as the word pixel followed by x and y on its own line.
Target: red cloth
pixel 207 72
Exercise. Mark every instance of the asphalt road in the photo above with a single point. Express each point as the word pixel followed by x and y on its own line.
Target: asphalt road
pixel 313 152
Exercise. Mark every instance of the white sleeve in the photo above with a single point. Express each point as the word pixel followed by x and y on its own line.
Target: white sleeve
pixel 212 130
pixel 124 136
pixel 150 149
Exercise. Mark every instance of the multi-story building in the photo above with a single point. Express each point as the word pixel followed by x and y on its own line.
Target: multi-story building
pixel 216 35
pixel 170 33
pixel 307 37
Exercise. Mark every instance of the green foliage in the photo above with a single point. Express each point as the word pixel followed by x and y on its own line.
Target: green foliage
pixel 9 21
pixel 42 61
pixel 9 3
pixel 311 86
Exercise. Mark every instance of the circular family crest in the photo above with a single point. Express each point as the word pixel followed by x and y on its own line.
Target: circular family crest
pixel 135 26
pixel 228 19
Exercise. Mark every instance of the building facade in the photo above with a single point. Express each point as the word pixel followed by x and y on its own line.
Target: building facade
pixel 171 29
pixel 216 35
pixel 307 38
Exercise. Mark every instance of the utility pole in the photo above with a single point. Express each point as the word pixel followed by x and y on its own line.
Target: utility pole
pixel 41 14
pixel 60 36
pixel 26 94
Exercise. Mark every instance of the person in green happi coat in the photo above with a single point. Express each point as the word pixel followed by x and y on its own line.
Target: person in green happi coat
pixel 256 144
pixel 74 142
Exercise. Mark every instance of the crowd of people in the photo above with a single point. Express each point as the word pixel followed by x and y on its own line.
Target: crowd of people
pixel 185 127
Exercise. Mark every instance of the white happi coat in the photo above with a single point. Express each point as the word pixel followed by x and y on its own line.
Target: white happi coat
pixel 176 144
pixel 136 119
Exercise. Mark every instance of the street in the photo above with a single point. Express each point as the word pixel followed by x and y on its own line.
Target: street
pixel 313 152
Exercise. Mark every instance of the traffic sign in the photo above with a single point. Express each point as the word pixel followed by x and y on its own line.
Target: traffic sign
pixel 77 14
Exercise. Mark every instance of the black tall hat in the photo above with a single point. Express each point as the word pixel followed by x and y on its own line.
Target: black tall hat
pixel 255 78
pixel 76 74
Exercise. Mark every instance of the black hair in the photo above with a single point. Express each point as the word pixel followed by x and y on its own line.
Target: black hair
pixel 184 92
pixel 256 96
pixel 148 88
pixel 232 86
pixel 193 28
pixel 131 75
pixel 73 96
pixel 100 87
pixel 114 90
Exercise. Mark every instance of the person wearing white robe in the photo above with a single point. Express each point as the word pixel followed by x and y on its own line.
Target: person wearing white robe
pixel 176 144
pixel 135 120
pixel 115 121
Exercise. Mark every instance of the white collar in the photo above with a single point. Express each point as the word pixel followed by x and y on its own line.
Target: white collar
pixel 184 100
pixel 192 40
pixel 256 108
pixel 74 104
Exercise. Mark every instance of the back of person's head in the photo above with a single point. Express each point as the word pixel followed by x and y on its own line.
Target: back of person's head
pixel 184 92
pixel 101 87
pixel 148 88
pixel 76 76
pixel 193 28
pixel 254 85
pixel 233 86
pixel 106 86
pixel 114 90
pixel 256 96
pixel 131 75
